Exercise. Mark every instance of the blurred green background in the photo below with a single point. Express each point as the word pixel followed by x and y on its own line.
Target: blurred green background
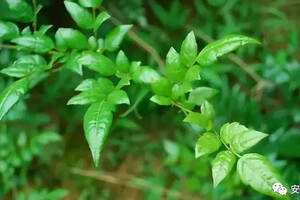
pixel 149 154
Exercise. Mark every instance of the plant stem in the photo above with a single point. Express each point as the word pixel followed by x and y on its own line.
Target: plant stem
pixel 34 23
pixel 94 17
pixel 229 149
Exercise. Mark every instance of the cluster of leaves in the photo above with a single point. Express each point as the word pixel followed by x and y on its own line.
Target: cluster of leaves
pixel 73 50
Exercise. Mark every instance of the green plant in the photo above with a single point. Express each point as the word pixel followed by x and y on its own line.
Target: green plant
pixel 104 90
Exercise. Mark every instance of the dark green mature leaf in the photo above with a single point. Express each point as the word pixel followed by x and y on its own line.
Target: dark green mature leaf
pixel 255 170
pixel 146 74
pixel 162 87
pixel 161 100
pixel 199 119
pixel 206 144
pixel 118 97
pixel 18 10
pixel 91 3
pixel 114 38
pixel 12 94
pixel 102 17
pixel 200 94
pixel 25 65
pixel 207 109
pixel 122 62
pixel 81 16
pixel 98 62
pixel 174 70
pixel 70 38
pixel 8 30
pixel 36 43
pixel 239 137
pixel 222 165
pixel 97 123
pixel 212 51
pixel 86 85
pixel 87 97
pixel 189 50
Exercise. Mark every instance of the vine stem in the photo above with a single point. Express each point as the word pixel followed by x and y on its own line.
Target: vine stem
pixel 34 23
pixel 227 147
pixel 94 17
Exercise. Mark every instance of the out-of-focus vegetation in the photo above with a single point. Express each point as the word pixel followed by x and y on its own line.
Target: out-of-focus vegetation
pixel 150 152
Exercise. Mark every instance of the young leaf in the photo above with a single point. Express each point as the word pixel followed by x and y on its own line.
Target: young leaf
pixel 145 74
pixel 98 63
pixel 93 44
pixel 8 30
pixel 91 3
pixel 70 38
pixel 72 63
pixel 212 51
pixel 222 165
pixel 44 28
pixel 87 97
pixel 97 122
pixel 199 119
pixel 12 94
pixel 207 109
pixel 86 85
pixel 162 87
pixel 122 62
pixel 161 100
pixel 193 73
pixel 180 89
pixel 81 16
pixel 118 97
pixel 188 52
pixel 114 38
pixel 25 65
pixel 240 137
pixel 36 43
pixel 206 144
pixel 102 17
pixel 174 70
pixel 255 170
pixel 105 85
pixel 200 94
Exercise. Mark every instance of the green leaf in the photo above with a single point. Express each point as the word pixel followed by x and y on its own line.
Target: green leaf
pixel 18 10
pixel 146 74
pixel 114 38
pixel 206 144
pixel 239 137
pixel 162 87
pixel 255 170
pixel 87 97
pixel 161 100
pixel 122 62
pixel 91 3
pixel 125 80
pixel 8 30
pixel 12 94
pixel 193 73
pixel 105 85
pixel 44 28
pixel 118 97
pixel 36 43
pixel 222 165
pixel 207 109
pixel 81 16
pixel 97 123
pixel 70 38
pixel 98 62
pixel 174 70
pixel 102 17
pixel 86 85
pixel 199 119
pixel 25 65
pixel 72 63
pixel 200 94
pixel 189 50
pixel 229 43
pixel 180 89
pixel 93 44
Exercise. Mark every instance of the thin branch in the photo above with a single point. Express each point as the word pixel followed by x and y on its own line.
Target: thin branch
pixel 130 181
pixel 147 47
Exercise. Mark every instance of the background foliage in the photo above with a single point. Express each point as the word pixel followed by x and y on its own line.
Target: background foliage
pixel 150 154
